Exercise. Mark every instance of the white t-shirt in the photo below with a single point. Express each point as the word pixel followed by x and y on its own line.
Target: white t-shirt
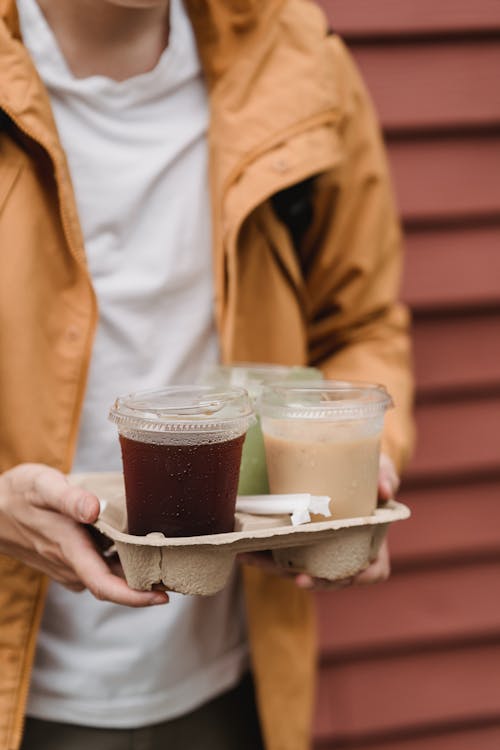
pixel 137 154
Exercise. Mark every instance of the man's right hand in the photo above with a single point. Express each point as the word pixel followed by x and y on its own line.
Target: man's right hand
pixel 41 517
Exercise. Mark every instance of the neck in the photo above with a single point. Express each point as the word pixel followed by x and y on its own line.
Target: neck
pixel 98 37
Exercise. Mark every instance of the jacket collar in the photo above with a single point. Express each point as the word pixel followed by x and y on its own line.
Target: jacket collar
pixel 266 76
pixel 22 93
pixel 8 14
pixel 218 26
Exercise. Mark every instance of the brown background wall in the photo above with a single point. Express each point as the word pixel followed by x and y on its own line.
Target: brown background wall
pixel 415 663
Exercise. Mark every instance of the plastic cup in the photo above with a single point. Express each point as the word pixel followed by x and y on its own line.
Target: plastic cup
pixel 181 451
pixel 253 472
pixel 324 438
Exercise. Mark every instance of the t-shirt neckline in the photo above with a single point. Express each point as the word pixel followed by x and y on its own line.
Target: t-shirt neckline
pixel 178 60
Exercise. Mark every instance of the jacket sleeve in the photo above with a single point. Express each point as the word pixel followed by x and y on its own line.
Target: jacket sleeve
pixel 357 330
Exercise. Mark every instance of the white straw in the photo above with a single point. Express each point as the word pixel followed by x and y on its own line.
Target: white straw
pixel 299 505
pixel 299 517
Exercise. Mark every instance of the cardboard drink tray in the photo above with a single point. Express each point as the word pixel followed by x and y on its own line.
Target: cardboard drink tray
pixel 331 549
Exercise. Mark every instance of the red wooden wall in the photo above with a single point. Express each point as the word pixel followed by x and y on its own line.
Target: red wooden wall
pixel 415 663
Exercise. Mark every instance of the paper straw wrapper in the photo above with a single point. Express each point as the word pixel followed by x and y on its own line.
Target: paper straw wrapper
pixel 299 506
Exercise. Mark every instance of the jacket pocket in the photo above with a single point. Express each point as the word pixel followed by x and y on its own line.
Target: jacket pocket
pixel 305 156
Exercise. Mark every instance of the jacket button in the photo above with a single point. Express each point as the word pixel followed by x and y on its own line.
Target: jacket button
pixel 73 333
pixel 280 165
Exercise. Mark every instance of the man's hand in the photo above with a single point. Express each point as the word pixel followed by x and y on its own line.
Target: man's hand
pixel 388 485
pixel 41 517
pixel 378 570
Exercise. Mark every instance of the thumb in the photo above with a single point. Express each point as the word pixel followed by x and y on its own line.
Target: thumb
pixel 53 491
pixel 388 480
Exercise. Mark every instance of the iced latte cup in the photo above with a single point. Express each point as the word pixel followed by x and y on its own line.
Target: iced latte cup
pixel 324 438
pixel 181 450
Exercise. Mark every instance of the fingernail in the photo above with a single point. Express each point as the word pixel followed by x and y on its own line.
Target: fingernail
pixel 303 582
pixel 159 599
pixel 82 509
pixel 386 485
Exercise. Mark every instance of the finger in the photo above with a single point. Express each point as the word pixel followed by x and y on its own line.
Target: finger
pixel 115 566
pixel 55 571
pixel 53 491
pixel 305 581
pixel 385 489
pixel 373 574
pixel 76 588
pixel 377 571
pixel 388 480
pixel 94 573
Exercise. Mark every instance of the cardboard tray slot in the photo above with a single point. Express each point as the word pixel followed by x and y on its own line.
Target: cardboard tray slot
pixel 331 549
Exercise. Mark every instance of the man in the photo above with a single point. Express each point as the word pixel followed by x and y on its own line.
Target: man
pixel 116 117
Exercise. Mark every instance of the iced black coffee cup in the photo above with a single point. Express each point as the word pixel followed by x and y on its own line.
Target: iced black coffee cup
pixel 181 451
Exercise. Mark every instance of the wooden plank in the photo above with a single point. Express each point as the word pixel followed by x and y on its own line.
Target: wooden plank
pixel 460 520
pixel 414 608
pixel 457 351
pixel 355 18
pixel 443 738
pixel 452 267
pixel 433 85
pixel 405 692
pixel 439 179
pixel 461 436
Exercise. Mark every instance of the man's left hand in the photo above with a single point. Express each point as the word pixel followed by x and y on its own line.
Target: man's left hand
pixel 379 568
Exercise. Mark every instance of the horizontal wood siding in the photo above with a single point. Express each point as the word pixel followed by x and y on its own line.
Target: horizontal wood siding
pixel 400 692
pixel 453 178
pixel 450 606
pixel 440 341
pixel 464 75
pixel 457 519
pixel 414 663
pixel 411 18
pixel 481 735
pixel 450 268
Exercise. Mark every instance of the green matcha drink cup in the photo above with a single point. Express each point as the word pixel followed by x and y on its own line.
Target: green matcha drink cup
pixel 253 472
pixel 324 438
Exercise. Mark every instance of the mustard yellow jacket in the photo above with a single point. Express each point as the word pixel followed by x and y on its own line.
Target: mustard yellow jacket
pixel 286 105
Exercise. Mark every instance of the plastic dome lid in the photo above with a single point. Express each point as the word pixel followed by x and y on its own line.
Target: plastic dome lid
pixel 329 400
pixel 184 409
